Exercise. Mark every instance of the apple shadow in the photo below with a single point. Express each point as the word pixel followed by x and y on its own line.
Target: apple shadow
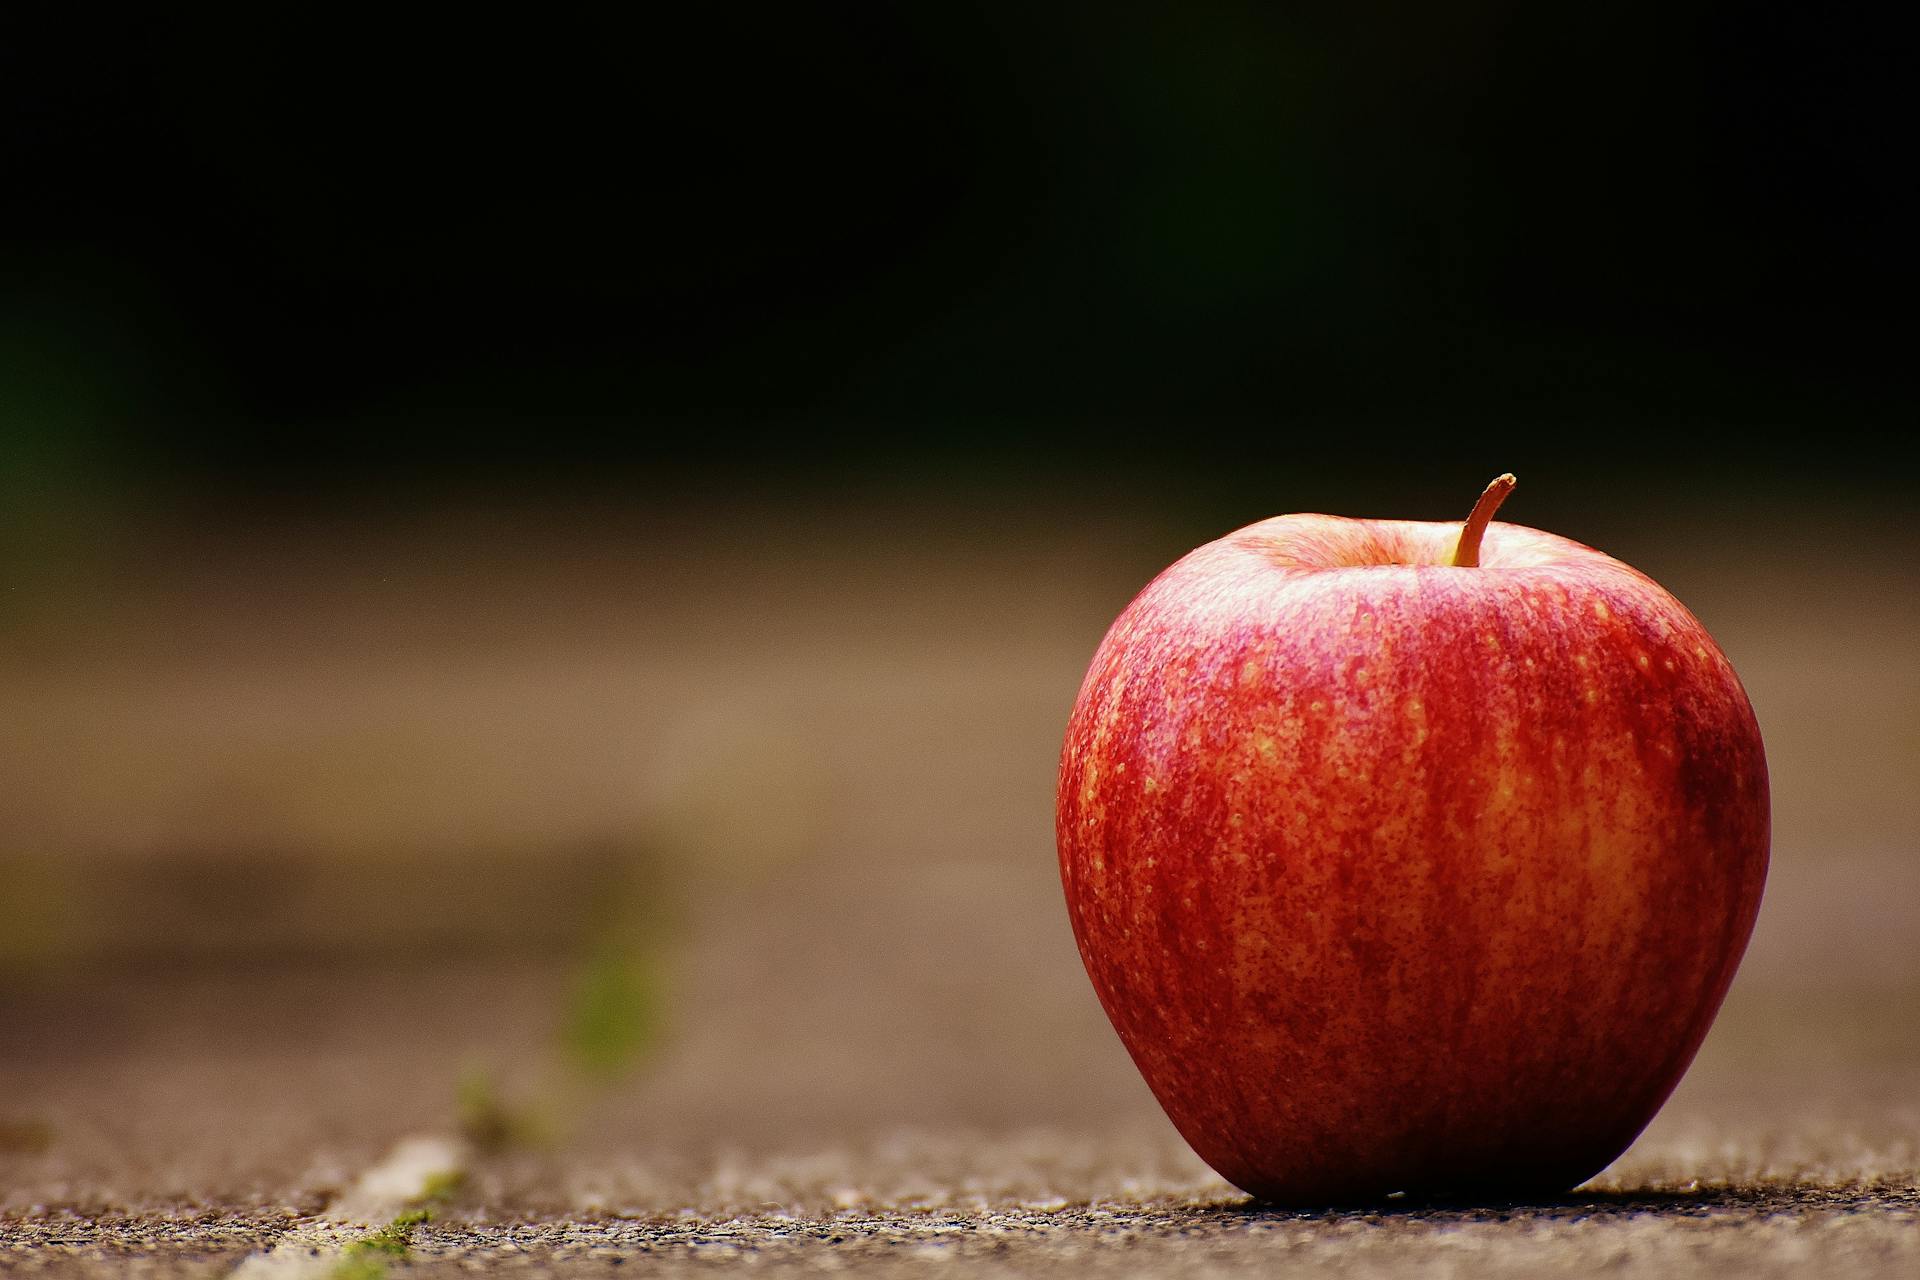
pixel 1578 1205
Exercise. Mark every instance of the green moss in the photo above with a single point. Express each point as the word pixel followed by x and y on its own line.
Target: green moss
pixel 443 1186
pixel 611 1020
pixel 359 1268
pixel 614 1019
pixel 367 1257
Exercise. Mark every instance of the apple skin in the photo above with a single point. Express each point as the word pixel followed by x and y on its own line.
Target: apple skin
pixel 1396 876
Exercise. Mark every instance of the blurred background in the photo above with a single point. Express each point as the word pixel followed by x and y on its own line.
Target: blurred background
pixel 542 569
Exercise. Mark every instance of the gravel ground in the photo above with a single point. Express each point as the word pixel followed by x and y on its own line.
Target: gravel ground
pixel 1765 1229
pixel 1712 1232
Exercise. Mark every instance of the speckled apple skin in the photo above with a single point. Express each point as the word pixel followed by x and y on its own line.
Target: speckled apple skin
pixel 1400 877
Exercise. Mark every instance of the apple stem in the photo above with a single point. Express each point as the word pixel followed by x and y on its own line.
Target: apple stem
pixel 1467 554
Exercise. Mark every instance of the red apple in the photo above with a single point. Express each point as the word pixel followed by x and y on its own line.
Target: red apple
pixel 1410 857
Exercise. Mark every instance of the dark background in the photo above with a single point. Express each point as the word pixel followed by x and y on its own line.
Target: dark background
pixel 289 252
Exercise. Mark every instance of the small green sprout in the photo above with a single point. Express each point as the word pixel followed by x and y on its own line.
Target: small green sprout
pixel 367 1257
pixel 442 1186
pixel 615 1016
